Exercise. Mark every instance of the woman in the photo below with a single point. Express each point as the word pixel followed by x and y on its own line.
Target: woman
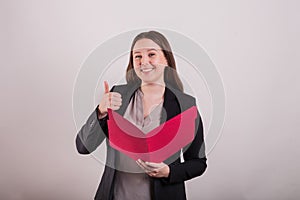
pixel 153 94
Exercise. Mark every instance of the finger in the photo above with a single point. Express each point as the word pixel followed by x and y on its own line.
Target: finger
pixel 112 99
pixel 116 102
pixel 151 174
pixel 147 168
pixel 154 174
pixel 114 107
pixel 116 94
pixel 140 163
pixel 106 87
pixel 108 101
pixel 143 168
pixel 155 165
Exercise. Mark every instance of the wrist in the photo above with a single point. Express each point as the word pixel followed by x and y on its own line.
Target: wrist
pixel 167 171
pixel 101 114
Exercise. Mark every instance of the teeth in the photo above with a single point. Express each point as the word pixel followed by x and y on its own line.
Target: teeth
pixel 147 70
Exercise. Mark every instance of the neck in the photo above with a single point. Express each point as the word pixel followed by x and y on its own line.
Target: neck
pixel 154 89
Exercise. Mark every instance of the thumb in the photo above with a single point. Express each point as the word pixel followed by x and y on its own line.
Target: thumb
pixel 106 87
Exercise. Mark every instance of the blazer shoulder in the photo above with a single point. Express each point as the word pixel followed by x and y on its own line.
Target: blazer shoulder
pixel 189 98
pixel 185 99
pixel 120 88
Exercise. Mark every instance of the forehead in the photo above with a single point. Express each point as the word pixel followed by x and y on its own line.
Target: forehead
pixel 144 44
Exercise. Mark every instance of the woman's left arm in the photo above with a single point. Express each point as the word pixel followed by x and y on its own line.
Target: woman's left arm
pixel 194 161
pixel 194 158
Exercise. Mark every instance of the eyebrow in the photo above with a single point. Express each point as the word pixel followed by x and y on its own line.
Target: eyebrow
pixel 147 50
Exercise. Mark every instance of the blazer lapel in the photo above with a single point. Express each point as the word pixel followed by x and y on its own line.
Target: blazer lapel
pixel 170 103
pixel 127 92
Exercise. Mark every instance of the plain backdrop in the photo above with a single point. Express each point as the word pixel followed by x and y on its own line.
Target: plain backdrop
pixel 254 45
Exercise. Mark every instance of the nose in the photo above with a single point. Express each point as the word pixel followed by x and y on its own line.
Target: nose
pixel 144 60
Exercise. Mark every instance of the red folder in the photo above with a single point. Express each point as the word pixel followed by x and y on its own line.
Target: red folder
pixel 157 145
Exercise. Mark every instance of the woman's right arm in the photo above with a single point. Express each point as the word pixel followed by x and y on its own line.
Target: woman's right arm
pixel 92 133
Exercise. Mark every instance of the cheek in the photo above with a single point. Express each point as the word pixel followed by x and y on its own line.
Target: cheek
pixel 157 61
pixel 135 64
pixel 162 60
pixel 136 68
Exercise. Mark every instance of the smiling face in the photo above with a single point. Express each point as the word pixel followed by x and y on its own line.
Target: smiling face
pixel 149 61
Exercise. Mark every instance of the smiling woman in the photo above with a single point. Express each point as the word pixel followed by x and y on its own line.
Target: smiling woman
pixel 149 62
pixel 153 95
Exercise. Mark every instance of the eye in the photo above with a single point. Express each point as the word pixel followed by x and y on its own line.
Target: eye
pixel 151 54
pixel 138 57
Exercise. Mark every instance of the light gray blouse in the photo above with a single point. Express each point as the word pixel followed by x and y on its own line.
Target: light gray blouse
pixel 131 182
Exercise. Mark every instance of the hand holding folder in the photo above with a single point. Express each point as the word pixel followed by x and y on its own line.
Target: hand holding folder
pixel 157 145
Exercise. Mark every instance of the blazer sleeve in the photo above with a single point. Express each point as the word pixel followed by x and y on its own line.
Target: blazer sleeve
pixel 194 158
pixel 92 133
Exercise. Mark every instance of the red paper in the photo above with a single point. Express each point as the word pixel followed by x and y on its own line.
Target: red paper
pixel 157 145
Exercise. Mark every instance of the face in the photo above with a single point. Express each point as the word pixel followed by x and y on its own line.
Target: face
pixel 149 61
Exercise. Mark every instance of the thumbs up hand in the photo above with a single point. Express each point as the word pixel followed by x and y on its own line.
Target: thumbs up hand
pixel 111 100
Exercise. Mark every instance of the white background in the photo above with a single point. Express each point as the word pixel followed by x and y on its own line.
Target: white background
pixel 254 44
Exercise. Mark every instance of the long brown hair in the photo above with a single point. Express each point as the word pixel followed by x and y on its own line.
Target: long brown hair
pixel 171 77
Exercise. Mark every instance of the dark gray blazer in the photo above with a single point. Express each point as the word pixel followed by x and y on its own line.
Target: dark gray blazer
pixel 94 131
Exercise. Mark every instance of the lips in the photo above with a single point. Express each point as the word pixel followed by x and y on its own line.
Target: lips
pixel 146 69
